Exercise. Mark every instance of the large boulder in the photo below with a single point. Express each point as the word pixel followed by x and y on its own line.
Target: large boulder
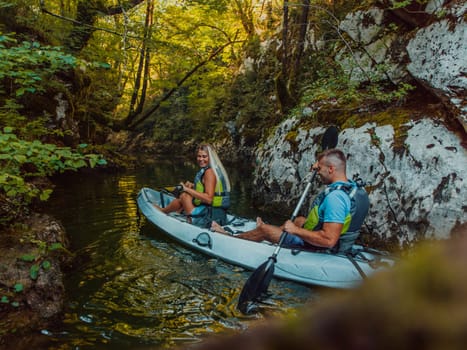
pixel 417 190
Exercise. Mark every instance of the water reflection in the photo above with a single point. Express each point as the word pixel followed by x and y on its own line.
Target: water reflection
pixel 132 285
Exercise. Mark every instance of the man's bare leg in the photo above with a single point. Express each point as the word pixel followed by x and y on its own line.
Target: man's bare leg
pixel 218 228
pixel 262 232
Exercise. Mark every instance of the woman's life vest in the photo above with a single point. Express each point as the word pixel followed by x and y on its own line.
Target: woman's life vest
pixel 359 206
pixel 221 197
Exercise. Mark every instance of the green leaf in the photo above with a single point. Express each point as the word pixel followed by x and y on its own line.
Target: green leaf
pixel 45 195
pixel 34 271
pixel 18 287
pixel 46 265
pixel 4 299
pixel 20 158
pixel 20 92
pixel 55 246
pixel 15 304
pixel 92 162
pixel 11 193
pixel 28 257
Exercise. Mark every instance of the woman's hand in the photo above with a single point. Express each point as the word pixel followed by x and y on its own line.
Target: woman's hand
pixel 188 184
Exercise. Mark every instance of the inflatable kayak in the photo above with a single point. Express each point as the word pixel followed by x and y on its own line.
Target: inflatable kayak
pixel 304 266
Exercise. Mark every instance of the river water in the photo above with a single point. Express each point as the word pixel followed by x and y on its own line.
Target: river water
pixel 131 287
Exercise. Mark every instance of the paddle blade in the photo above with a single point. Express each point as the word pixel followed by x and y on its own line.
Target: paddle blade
pixel 256 285
pixel 330 137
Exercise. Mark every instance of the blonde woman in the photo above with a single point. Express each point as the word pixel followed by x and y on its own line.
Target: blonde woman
pixel 208 196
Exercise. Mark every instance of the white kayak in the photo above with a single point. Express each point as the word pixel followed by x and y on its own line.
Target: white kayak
pixel 304 266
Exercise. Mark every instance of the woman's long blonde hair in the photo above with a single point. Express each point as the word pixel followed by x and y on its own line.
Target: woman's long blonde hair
pixel 216 165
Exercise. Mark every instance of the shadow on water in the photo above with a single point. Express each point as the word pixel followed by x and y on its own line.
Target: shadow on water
pixel 133 287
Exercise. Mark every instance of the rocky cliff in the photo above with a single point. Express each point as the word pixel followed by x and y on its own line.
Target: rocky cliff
pixel 415 168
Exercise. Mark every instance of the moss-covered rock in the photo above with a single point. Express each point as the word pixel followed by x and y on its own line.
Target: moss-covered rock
pixel 32 255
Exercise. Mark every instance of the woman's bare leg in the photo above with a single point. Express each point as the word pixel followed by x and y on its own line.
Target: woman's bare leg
pixel 186 202
pixel 175 205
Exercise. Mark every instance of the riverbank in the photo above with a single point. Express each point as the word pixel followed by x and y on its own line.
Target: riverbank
pixel 32 256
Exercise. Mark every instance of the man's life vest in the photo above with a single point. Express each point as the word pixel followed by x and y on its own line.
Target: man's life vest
pixel 359 206
pixel 221 199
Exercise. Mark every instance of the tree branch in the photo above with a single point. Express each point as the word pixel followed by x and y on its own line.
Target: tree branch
pixel 132 122
pixel 110 11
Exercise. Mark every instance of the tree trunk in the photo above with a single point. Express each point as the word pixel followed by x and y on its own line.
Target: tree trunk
pixel 285 34
pixel 282 79
pixel 87 12
pixel 303 23
pixel 142 73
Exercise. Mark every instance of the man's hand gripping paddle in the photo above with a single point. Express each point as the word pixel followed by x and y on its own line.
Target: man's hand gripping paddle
pixel 258 282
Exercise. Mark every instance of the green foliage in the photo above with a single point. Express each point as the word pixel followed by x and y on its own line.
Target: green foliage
pixel 17 288
pixel 46 265
pixel 337 87
pixel 27 69
pixel 396 4
pixel 22 161
pixel 27 64
pixel 55 246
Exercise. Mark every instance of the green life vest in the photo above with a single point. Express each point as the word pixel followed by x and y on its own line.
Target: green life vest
pixel 221 199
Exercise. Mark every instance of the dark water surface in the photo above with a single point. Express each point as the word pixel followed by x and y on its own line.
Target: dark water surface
pixel 134 288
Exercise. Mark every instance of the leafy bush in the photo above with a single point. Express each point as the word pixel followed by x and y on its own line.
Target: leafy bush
pixel 26 64
pixel 27 68
pixel 22 161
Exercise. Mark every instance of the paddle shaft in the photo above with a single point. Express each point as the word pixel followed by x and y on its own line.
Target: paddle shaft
pixel 259 280
pixel 295 212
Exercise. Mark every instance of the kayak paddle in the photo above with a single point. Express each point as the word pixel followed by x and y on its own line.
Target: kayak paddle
pixel 258 282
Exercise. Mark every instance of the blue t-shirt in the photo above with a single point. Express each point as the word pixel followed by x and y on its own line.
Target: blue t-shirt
pixel 335 206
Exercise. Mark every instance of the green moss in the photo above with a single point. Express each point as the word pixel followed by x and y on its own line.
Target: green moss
pixel 291 138
pixel 397 117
